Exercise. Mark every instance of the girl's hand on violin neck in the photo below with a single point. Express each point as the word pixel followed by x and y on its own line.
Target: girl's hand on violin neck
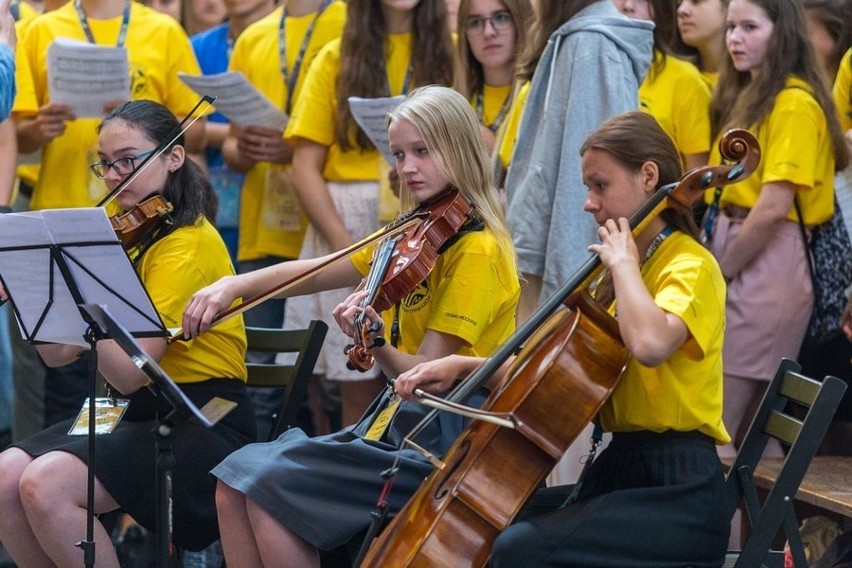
pixel 617 246
pixel 346 312
pixel 207 303
pixel 435 377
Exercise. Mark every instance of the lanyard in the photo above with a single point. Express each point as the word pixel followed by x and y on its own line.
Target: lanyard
pixel 289 78
pixel 84 21
pixel 405 83
pixel 480 111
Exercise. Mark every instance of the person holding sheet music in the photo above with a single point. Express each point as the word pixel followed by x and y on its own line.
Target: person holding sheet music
pixel 387 48
pixel 274 54
pixel 43 492
pixel 290 497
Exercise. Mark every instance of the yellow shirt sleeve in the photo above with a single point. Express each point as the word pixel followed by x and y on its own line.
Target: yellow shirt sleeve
pixel 843 91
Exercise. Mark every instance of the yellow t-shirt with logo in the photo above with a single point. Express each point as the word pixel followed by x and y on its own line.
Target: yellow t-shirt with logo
pixel 679 99
pixel 314 114
pixel 683 393
pixel 172 270
pixel 843 91
pixel 472 293
pixel 257 55
pixel 158 49
pixel 795 147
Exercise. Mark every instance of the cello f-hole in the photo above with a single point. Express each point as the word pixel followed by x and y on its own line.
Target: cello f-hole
pixel 441 491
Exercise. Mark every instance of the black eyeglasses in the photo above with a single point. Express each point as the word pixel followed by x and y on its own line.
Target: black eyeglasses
pixel 499 21
pixel 122 166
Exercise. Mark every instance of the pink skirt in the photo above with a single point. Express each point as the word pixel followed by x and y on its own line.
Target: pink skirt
pixel 769 302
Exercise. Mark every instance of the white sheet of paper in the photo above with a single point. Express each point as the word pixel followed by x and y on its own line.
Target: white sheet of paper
pixel 87 76
pixel 237 99
pixel 97 263
pixel 371 114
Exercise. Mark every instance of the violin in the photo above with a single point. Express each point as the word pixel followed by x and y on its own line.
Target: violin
pixel 406 270
pixel 148 216
pixel 568 363
pixel 402 262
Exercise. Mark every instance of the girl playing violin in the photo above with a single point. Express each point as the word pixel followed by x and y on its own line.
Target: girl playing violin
pixel 43 478
pixel 292 497
pixel 666 412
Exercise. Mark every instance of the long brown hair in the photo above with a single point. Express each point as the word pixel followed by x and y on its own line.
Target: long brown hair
pixel 469 76
pixel 551 15
pixel 744 101
pixel 362 55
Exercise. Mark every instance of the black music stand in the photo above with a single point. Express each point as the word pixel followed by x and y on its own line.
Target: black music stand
pixel 54 260
pixel 183 409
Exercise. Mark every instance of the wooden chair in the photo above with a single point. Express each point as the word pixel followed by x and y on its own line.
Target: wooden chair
pixel 294 377
pixel 802 438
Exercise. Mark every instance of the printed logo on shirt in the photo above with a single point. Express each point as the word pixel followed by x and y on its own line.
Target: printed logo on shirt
pixel 138 81
pixel 417 299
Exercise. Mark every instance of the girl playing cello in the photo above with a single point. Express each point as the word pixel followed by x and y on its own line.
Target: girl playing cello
pixel 666 412
pixel 292 497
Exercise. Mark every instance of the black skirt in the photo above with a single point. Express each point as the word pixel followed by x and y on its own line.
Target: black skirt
pixel 125 460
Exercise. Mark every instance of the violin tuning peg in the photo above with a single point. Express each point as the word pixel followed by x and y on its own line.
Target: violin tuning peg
pixel 378 342
pixel 348 348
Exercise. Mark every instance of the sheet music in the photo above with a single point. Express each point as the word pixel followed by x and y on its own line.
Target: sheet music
pixel 371 116
pixel 98 265
pixel 237 99
pixel 87 76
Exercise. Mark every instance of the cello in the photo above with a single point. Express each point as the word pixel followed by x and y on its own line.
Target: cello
pixel 572 354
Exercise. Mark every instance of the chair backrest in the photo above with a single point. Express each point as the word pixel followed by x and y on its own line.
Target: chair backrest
pixel 292 377
pixel 802 437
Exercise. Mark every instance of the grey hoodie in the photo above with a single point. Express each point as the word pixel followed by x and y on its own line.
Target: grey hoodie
pixel 590 70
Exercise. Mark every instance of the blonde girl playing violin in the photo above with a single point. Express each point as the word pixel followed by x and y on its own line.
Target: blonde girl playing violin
pixel 43 478
pixel 666 411
pixel 286 500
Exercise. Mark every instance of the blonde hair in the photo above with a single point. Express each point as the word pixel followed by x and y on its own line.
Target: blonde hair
pixel 451 132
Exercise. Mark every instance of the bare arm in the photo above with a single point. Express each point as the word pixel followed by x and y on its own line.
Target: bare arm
pixel 216 298
pixel 8 159
pixel 308 161
pixel 759 227
pixel 36 131
pixel 113 362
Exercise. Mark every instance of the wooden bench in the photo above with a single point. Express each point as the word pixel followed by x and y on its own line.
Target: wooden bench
pixel 827 484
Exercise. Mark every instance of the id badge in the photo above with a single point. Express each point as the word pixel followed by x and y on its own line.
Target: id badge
pixel 281 208
pixel 108 413
pixel 380 424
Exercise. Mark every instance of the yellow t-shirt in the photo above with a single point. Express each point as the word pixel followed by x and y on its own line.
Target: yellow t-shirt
pixel 65 179
pixel 313 115
pixel 711 78
pixel 843 91
pixel 685 392
pixel 172 270
pixel 472 293
pixel 679 99
pixel 493 98
pixel 795 147
pixel 506 144
pixel 258 57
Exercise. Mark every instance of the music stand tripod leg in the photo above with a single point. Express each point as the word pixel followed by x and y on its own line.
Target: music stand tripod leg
pixel 92 336
pixel 165 466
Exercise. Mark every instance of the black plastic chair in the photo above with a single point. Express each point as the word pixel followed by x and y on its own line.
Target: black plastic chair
pixel 801 437
pixel 293 377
